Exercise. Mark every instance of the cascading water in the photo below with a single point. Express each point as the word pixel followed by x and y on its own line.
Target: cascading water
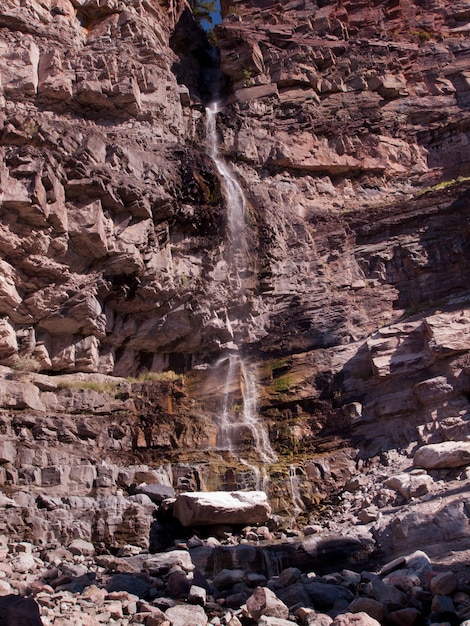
pixel 294 482
pixel 236 253
pixel 240 375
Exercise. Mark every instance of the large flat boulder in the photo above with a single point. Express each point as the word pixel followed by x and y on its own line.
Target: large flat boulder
pixel 448 333
pixel 20 395
pixel 441 455
pixel 221 507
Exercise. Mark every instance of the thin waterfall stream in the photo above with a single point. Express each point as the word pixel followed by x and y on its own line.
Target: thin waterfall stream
pixel 241 376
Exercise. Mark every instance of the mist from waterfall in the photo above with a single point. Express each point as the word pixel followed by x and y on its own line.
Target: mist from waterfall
pixel 240 375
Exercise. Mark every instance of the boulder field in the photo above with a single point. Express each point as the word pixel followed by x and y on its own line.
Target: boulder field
pixel 73 585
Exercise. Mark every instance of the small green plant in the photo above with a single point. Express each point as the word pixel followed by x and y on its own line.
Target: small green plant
pixel 280 385
pixel 26 364
pixel 203 10
pixel 423 35
pixel 247 75
pixel 212 38
pixel 279 364
pixel 444 184
pixel 168 375
pixel 148 377
pixel 30 126
pixel 234 10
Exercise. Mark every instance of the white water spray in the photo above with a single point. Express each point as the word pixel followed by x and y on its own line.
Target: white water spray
pixel 231 188
pixel 294 482
pixel 239 374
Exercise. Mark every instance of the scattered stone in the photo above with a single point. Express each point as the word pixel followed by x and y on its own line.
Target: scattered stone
pixel 325 596
pixel 81 547
pixel 403 617
pixel 309 617
pixel 370 606
pixel 177 583
pixel 312 529
pixel 5 588
pixel 163 562
pixel 266 620
pixel 442 604
pixel 263 601
pixel 129 583
pixel 443 584
pixel 369 514
pixel 287 577
pixel 353 577
pixel 197 595
pixel 155 491
pixel 354 619
pixel 182 615
pixel 411 486
pixel 24 563
pixel 227 578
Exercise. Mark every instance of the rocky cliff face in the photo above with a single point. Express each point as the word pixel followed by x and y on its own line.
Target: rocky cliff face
pixel 346 124
pixel 97 169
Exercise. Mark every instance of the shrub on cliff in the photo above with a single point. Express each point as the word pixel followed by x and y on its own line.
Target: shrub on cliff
pixel 203 10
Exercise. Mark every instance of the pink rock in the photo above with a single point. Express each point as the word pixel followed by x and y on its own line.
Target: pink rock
pixel 444 584
pixel 355 619
pixel 372 607
pixel 183 615
pixel 265 602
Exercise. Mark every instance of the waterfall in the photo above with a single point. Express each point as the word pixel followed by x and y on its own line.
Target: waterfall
pixel 232 189
pixel 240 375
pixel 225 436
pixel 294 482
pixel 237 251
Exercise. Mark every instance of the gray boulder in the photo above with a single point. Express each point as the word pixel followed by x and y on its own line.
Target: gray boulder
pixel 443 455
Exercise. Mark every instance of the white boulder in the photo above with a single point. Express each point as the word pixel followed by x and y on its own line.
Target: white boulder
pixel 221 507
pixel 442 455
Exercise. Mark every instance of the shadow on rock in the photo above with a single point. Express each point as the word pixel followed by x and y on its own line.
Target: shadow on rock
pixel 16 610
